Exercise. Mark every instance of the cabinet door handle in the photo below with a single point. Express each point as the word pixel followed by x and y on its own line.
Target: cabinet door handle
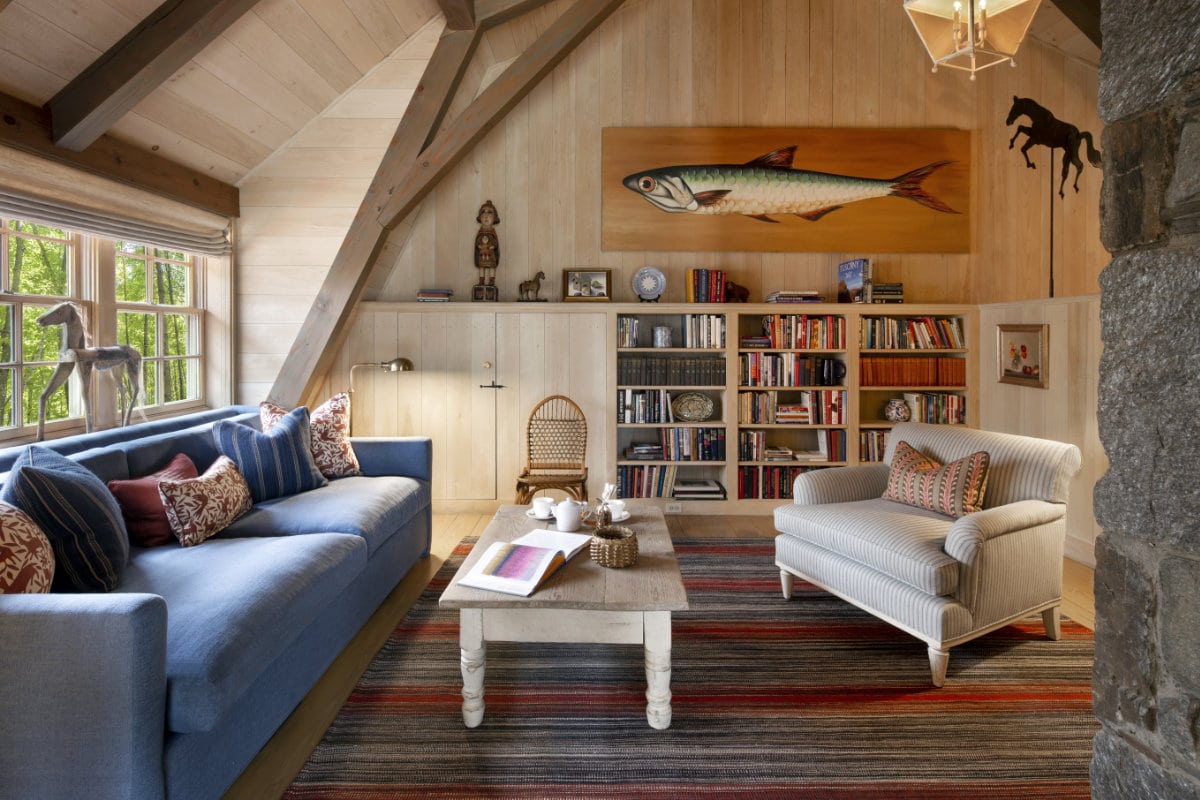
pixel 492 385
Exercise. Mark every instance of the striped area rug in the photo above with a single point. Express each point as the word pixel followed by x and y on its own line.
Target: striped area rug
pixel 808 698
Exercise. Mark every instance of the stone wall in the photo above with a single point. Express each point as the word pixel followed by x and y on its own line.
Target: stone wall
pixel 1147 675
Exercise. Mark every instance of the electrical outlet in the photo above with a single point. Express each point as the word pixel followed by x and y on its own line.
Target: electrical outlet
pixel 674 508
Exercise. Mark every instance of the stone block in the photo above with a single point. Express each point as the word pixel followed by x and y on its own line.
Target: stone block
pixel 1138 167
pixel 1124 680
pixel 1149 54
pixel 1179 724
pixel 1122 771
pixel 1179 620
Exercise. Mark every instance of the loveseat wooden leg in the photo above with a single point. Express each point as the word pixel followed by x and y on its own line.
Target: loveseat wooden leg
pixel 938 661
pixel 787 580
pixel 1052 619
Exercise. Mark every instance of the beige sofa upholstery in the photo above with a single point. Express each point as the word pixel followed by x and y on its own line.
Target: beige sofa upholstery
pixel 943 580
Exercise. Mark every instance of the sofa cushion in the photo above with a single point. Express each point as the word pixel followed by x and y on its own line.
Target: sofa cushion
pixel 142 507
pixel 329 434
pixel 77 513
pixel 26 557
pixel 955 489
pixel 898 540
pixel 233 606
pixel 196 508
pixel 373 508
pixel 275 463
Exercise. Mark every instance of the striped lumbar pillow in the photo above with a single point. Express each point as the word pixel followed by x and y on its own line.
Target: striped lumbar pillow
pixel 955 489
pixel 275 463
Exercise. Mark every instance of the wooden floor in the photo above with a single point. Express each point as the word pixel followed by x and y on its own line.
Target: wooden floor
pixel 272 771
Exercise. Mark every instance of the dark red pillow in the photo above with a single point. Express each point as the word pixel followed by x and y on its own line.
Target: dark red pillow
pixel 142 506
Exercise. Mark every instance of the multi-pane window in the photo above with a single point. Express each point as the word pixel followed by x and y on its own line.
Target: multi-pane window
pixel 157 315
pixel 152 306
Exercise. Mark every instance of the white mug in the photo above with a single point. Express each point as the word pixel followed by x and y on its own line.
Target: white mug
pixel 543 507
pixel 567 515
pixel 617 507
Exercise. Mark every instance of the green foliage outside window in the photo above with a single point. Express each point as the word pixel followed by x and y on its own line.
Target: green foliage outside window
pixel 35 265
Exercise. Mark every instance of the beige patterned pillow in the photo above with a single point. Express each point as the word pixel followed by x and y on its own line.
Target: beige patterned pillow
pixel 955 489
pixel 329 432
pixel 26 557
pixel 199 507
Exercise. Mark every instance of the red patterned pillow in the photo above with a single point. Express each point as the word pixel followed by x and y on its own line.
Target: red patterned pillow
pixel 26 557
pixel 329 431
pixel 199 507
pixel 142 507
pixel 955 489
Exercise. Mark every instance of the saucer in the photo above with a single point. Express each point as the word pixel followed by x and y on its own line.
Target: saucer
pixel 624 515
pixel 529 513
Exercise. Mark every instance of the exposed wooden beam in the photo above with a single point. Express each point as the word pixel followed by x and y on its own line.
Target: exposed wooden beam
pixel 1085 14
pixel 3 3
pixel 131 69
pixel 326 326
pixel 496 12
pixel 459 14
pixel 27 127
pixel 575 24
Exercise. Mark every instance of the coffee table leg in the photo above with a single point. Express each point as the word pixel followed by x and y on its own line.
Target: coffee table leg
pixel 657 632
pixel 474 653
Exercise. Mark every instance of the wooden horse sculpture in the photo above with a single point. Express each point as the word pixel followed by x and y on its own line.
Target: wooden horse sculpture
pixel 122 359
pixel 529 289
pixel 1046 129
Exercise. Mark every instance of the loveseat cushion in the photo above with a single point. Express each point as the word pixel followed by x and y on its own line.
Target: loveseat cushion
pixel 901 541
pixel 373 508
pixel 233 605
pixel 275 463
pixel 955 489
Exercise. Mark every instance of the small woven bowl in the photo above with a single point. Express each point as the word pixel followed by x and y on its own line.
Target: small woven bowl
pixel 614 546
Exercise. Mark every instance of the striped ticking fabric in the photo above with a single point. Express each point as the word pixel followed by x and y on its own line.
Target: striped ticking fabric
pixel 276 463
pixel 955 489
pixel 807 698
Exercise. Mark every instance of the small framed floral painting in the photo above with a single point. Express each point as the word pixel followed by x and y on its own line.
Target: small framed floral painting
pixel 587 284
pixel 1022 352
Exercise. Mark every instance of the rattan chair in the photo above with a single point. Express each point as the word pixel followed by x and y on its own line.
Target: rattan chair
pixel 557 450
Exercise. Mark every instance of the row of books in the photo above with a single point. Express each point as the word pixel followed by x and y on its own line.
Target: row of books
pixel 767 482
pixel 871 445
pixel 434 295
pixel 937 407
pixel 794 296
pixel 644 406
pixel 661 480
pixel 705 286
pixel 789 369
pixel 912 371
pixel 681 444
pixel 673 370
pixel 912 333
pixel 808 407
pixel 800 332
pixel 831 446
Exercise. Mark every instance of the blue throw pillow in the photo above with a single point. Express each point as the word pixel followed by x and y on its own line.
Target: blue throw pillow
pixel 276 463
pixel 78 514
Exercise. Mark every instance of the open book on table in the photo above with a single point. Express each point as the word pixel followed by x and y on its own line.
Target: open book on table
pixel 521 566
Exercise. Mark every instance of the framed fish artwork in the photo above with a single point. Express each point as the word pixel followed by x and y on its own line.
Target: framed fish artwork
pixel 877 190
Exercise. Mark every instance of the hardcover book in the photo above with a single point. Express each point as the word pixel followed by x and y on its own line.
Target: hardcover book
pixel 854 280
pixel 521 566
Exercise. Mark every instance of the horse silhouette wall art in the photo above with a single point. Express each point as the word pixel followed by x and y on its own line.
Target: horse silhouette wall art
pixel 1046 129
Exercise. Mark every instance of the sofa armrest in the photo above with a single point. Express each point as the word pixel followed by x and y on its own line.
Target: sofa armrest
pixel 840 484
pixel 407 456
pixel 968 534
pixel 83 700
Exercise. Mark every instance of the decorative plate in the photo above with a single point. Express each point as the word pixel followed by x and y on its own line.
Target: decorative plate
pixel 692 407
pixel 649 283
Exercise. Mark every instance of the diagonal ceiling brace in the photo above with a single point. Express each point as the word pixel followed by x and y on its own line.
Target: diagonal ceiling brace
pixel 403 179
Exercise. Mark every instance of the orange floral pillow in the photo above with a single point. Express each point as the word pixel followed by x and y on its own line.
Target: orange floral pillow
pixel 329 434
pixel 955 489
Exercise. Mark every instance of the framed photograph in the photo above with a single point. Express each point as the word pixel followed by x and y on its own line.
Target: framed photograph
pixel 1022 352
pixel 583 285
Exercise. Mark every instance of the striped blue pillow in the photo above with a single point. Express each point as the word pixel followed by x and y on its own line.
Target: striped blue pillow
pixel 78 514
pixel 276 463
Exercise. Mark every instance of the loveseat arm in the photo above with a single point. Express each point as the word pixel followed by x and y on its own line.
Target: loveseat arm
pixel 83 699
pixel 406 456
pixel 840 484
pixel 968 534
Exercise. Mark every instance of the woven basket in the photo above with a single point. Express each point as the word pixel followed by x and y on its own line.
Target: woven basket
pixel 614 546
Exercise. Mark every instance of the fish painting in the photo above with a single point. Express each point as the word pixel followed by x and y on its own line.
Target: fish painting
pixel 769 185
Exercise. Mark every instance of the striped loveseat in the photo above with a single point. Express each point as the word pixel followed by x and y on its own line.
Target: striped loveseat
pixel 941 579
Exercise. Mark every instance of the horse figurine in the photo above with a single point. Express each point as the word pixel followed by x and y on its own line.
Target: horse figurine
pixel 529 289
pixel 122 359
pixel 1046 129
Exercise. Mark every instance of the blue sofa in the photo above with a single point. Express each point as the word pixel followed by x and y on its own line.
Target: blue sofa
pixel 170 685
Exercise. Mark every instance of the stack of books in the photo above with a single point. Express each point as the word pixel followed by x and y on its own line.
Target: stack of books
pixel 644 452
pixel 794 296
pixel 756 341
pixel 887 292
pixel 778 453
pixel 706 489
pixel 434 295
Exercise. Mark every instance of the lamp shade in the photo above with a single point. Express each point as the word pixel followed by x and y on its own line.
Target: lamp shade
pixel 971 34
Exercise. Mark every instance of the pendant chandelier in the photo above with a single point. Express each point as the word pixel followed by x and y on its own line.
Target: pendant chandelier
pixel 971 34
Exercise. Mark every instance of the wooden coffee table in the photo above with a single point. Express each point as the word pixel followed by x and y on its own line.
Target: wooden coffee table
pixel 582 603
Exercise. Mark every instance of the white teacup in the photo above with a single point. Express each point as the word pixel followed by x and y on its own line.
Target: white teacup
pixel 617 507
pixel 543 507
